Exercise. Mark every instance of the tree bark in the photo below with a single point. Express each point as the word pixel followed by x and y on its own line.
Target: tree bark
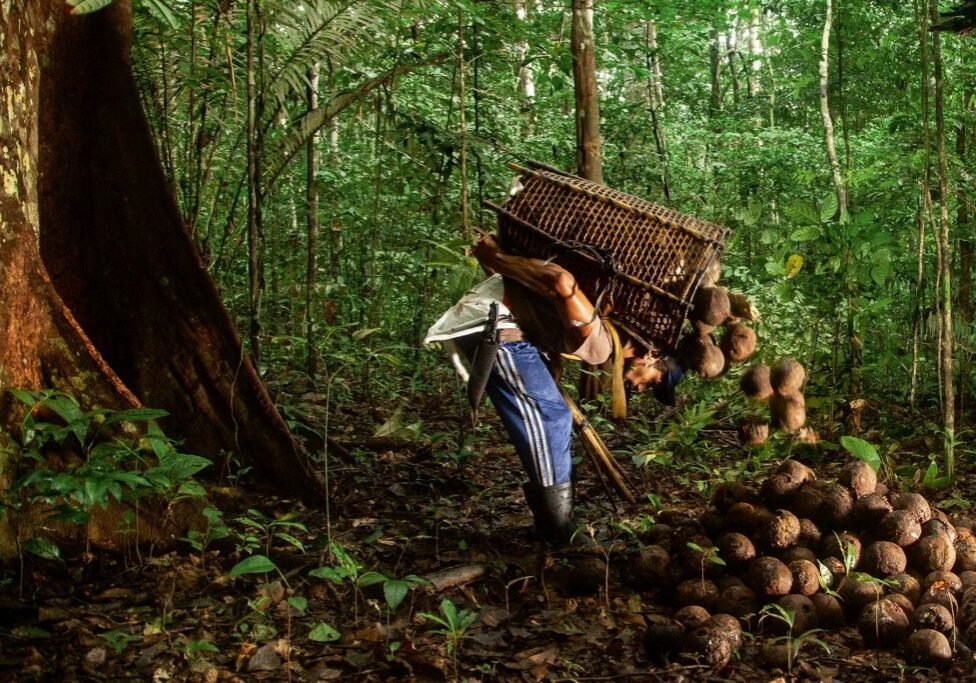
pixel 655 97
pixel 589 153
pixel 105 295
pixel 715 63
pixel 526 79
pixel 311 225
pixel 839 184
pixel 947 339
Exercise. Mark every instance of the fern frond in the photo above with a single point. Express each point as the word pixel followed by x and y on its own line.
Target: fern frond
pixel 87 6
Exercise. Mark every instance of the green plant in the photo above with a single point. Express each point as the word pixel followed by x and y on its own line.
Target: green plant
pixel 454 625
pixel 706 555
pixel 793 642
pixel 104 456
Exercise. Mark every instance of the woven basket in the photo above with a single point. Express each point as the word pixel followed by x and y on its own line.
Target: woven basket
pixel 658 256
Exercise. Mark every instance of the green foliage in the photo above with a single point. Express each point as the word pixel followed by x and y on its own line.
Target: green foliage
pixel 109 456
pixel 862 450
pixel 453 623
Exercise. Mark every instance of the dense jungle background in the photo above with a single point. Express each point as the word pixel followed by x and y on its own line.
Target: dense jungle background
pixel 329 160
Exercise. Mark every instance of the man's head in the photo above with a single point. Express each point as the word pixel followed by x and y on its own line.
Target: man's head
pixel 647 370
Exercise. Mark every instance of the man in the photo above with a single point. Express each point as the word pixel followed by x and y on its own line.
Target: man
pixel 541 314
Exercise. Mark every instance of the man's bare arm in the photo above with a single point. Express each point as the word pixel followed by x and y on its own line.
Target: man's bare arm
pixel 551 281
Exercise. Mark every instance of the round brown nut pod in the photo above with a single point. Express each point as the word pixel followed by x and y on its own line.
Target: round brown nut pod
pixel 702 329
pixel 969 635
pixel 741 517
pixel 808 499
pixel 775 655
pixel 738 342
pixel 941 527
pixel 837 506
pixel 844 546
pixel 692 616
pixel 883 558
pixel 788 412
pixel 782 530
pixel 741 307
pixel 964 534
pixel 809 533
pixel 929 648
pixel 906 605
pixel 736 549
pixel 696 592
pixel 966 614
pixel 939 596
pixel 807 436
pixel 859 477
pixel 967 577
pixel 770 578
pixel 883 624
pixel 933 553
pixel 778 489
pixel 663 638
pixel 586 576
pixel 711 306
pixel 913 503
pixel 869 510
pixel 965 556
pixel 901 527
pixel 907 585
pixel 712 521
pixel 881 490
pixel 787 377
pixel 729 493
pixel 796 470
pixel 942 579
pixel 713 364
pixel 857 590
pixel 836 568
pixel 738 601
pixel 806 577
pixel 712 645
pixel 753 432
pixel 935 617
pixel 804 616
pixel 730 625
pixel 830 615
pixel 657 534
pixel 648 569
pixel 796 553
pixel 755 383
pixel 713 271
pixel 726 582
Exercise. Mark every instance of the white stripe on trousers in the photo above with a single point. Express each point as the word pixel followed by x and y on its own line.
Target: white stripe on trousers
pixel 531 417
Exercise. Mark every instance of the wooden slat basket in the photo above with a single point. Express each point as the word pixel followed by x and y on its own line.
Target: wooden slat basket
pixel 648 258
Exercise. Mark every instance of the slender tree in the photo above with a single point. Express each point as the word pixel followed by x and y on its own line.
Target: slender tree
pixel 589 153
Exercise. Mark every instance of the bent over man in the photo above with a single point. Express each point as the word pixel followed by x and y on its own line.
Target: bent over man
pixel 541 313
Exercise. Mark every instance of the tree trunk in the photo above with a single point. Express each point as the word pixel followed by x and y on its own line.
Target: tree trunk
pixel 462 129
pixel 715 63
pixel 839 184
pixel 311 224
pixel 526 80
pixel 655 97
pixel 946 346
pixel 105 295
pixel 589 162
pixel 254 275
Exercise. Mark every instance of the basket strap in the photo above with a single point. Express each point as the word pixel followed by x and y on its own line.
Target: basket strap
pixel 618 396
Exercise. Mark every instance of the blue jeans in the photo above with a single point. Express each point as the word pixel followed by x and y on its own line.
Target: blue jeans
pixel 536 417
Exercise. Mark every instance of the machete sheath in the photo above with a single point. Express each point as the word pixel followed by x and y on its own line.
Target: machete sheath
pixel 482 362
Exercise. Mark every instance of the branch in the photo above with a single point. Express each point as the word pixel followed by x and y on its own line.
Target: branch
pixel 311 122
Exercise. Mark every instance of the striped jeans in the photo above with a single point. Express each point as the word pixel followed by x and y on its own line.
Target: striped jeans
pixel 533 411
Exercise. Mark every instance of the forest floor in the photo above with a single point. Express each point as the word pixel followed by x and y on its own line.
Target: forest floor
pixel 402 509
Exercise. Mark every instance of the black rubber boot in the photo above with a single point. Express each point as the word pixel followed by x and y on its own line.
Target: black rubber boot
pixel 552 508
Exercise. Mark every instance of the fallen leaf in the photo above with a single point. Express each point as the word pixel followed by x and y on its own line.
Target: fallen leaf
pixel 95 656
pixel 264 659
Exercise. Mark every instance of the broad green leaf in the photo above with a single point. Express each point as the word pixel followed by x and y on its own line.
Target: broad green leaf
pixel 135 415
pixel 255 564
pixel 298 602
pixel 43 547
pixel 371 579
pixel 395 590
pixel 805 234
pixel 862 450
pixel 323 633
pixel 328 573
pixel 359 335
pixel 828 208
pixel 163 9
pixel 87 6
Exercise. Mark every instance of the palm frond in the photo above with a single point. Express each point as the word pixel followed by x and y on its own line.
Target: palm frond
pixel 315 31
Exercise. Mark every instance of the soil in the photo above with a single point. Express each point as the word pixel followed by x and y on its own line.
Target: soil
pixel 403 508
